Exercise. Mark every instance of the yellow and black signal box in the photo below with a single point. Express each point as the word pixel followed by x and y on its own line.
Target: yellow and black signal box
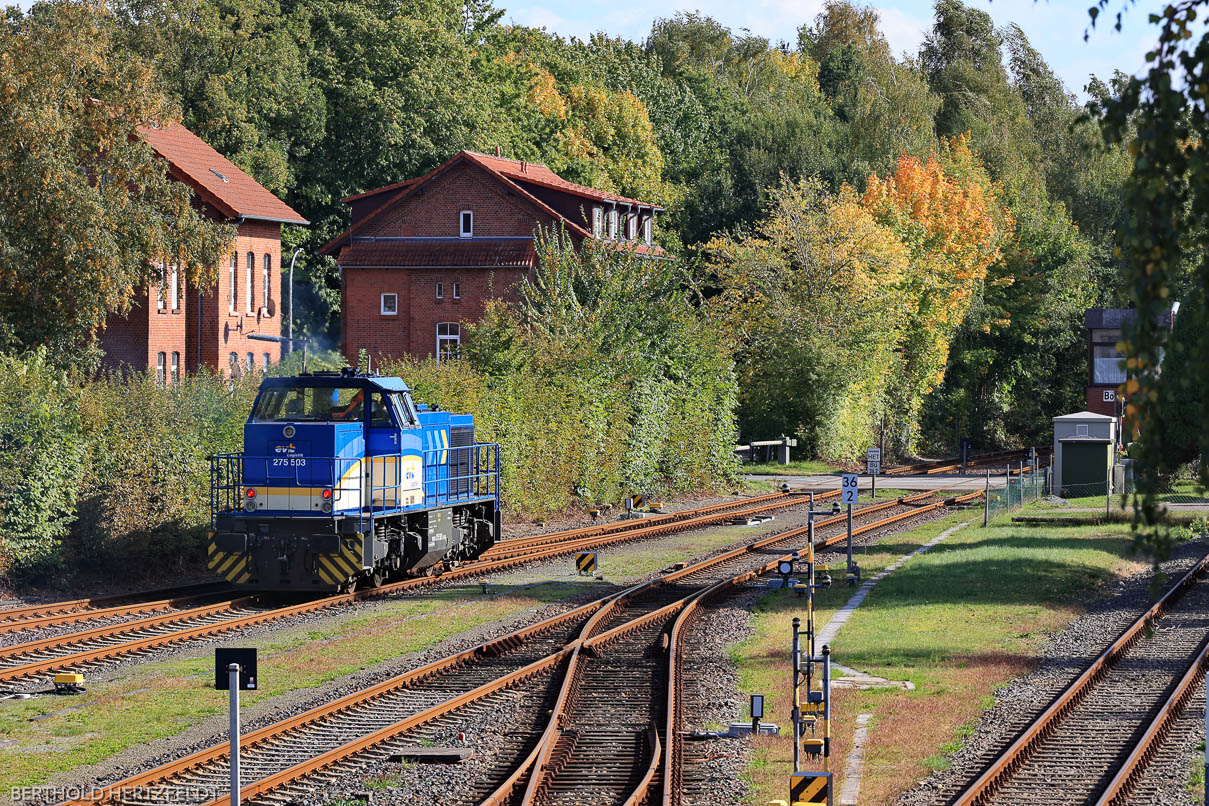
pixel 810 787
pixel 585 563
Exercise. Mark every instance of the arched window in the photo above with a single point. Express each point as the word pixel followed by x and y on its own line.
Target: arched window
pixel 250 291
pixel 233 360
pixel 449 340
pixel 268 272
pixel 176 367
pixel 159 368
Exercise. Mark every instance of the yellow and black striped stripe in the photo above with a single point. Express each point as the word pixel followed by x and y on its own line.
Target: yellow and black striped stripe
pixel 233 566
pixel 336 569
pixel 810 788
pixel 586 562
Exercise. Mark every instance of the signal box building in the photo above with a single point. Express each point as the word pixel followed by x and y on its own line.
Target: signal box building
pixel 1105 373
pixel 176 327
pixel 423 256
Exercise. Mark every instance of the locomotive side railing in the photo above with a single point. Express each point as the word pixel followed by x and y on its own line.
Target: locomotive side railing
pixel 363 486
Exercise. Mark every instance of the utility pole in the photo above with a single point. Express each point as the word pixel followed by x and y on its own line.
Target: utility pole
pixel 290 292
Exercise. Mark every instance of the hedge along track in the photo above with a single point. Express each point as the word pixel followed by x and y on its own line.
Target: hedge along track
pixel 289 753
pixel 101 645
pixel 1094 739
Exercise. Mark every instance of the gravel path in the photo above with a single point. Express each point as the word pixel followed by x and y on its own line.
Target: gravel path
pixel 1067 655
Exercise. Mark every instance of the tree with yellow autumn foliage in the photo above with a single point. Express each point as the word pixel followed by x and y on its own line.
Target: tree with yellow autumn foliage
pixel 953 227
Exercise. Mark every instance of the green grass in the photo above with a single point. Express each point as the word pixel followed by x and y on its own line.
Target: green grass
pixel 1195 787
pixel 157 699
pixel 957 621
pixel 797 468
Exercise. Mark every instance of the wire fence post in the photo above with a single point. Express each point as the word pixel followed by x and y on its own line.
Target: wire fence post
pixel 1108 492
pixel 986 515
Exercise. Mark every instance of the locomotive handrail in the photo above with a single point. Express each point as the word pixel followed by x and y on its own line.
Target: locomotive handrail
pixel 447 475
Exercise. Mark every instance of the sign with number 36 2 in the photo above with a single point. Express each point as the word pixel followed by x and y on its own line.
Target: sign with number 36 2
pixel 848 485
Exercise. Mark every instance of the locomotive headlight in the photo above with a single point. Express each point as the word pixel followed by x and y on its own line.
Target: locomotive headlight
pixel 327 506
pixel 249 505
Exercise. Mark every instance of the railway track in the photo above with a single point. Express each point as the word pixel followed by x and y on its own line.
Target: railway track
pixel 1094 740
pixel 531 666
pixel 987 460
pixel 86 649
pixel 26 617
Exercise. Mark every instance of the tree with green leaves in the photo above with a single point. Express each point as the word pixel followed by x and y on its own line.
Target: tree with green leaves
pixel 1161 117
pixel 87 210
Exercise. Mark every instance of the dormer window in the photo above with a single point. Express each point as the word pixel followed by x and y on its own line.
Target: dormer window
pixel 612 223
pixel 467 224
pixel 646 229
pixel 597 221
pixel 631 228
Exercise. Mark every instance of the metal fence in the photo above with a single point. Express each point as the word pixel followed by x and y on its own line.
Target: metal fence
pixel 1017 491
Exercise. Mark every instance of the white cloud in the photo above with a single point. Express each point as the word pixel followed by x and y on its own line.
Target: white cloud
pixel 904 32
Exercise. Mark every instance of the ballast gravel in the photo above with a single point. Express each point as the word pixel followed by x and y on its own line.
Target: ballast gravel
pixel 1068 653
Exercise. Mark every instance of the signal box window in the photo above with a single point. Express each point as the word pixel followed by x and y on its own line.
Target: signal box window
pixel 390 304
pixel 467 224
pixel 231 280
pixel 268 273
pixel 440 291
pixel 449 340
pixel 176 367
pixel 159 367
pixel 268 359
pixel 457 290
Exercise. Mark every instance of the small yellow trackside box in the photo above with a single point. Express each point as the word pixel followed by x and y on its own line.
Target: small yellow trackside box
pixel 69 679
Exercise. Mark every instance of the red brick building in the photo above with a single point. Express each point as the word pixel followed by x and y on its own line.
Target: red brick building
pixel 423 256
pixel 176 327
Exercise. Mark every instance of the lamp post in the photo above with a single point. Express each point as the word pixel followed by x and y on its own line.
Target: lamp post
pixel 290 293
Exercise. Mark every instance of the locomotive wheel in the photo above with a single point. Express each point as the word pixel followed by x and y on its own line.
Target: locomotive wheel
pixel 375 579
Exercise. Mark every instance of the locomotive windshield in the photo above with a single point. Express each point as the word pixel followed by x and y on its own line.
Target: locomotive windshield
pixel 310 404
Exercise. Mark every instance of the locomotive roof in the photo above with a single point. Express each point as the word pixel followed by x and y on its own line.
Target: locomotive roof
pixel 357 381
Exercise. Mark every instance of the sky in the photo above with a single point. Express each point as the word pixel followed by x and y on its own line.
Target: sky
pixel 1055 28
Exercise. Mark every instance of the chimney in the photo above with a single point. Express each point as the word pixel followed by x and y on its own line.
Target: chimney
pixel 497 152
pixel 524 166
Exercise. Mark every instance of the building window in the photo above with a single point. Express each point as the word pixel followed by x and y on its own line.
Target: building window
pixel 176 367
pixel 250 290
pixel 390 304
pixel 159 290
pixel 1106 364
pixel 174 291
pixel 233 361
pixel 268 360
pixel 612 223
pixel 268 273
pixel 457 290
pixel 159 368
pixel 597 221
pixel 467 224
pixel 449 340
pixel 646 229
pixel 631 227
pixel 251 362
pixel 231 286
pixel 440 291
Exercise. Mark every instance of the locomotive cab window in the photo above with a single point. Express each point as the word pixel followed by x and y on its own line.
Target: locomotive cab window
pixel 322 404
pixel 379 411
pixel 405 409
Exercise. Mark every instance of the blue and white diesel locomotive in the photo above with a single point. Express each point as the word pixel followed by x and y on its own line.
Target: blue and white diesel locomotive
pixel 345 481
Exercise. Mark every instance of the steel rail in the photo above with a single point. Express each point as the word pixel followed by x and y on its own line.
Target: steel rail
pixel 467 570
pixel 596 612
pixel 1116 794
pixel 1007 761
pixel 35 611
pixel 621 526
pixel 78 616
pixel 594 644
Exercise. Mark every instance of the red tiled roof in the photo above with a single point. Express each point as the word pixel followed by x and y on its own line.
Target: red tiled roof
pixel 538 174
pixel 383 189
pixel 218 180
pixel 439 252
